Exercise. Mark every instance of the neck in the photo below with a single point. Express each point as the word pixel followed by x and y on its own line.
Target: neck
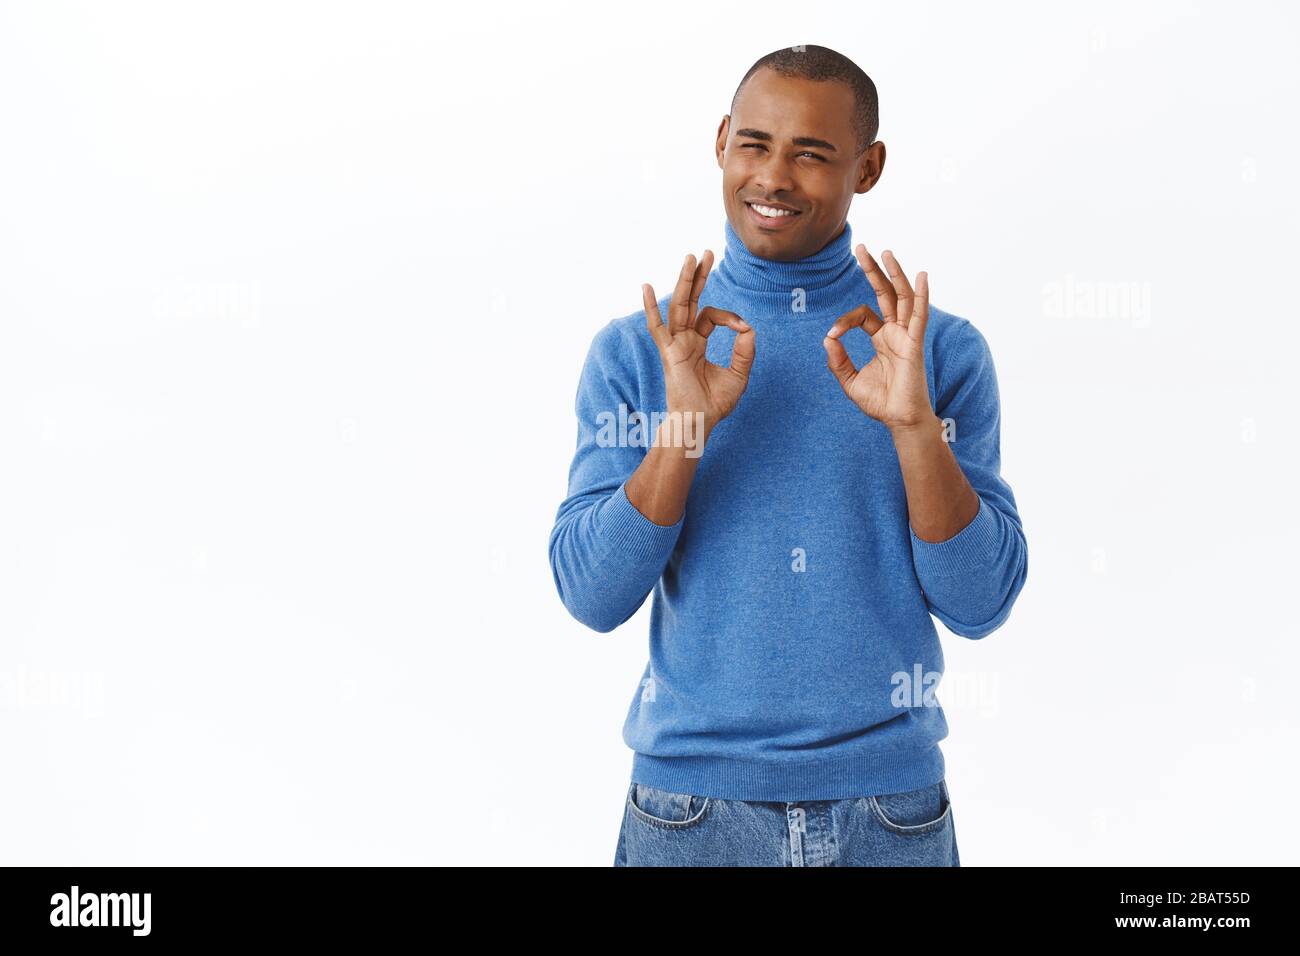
pixel 790 288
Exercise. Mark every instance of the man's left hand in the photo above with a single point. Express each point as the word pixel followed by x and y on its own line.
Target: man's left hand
pixel 891 388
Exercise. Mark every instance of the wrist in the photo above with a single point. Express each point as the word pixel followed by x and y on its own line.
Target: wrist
pixel 684 432
pixel 925 427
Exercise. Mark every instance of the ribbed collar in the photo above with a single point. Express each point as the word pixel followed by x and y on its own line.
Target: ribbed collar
pixel 752 285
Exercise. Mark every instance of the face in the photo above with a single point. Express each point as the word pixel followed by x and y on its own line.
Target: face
pixel 790 145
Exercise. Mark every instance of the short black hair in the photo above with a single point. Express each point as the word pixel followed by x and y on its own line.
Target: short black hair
pixel 821 63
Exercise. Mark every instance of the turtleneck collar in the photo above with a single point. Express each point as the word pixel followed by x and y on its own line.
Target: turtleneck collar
pixel 827 279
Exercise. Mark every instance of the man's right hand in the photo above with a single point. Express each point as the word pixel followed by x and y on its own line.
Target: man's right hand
pixel 692 384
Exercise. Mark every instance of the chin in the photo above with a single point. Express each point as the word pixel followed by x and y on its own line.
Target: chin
pixel 767 240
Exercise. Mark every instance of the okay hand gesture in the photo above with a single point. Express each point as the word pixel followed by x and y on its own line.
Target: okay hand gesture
pixel 891 388
pixel 691 382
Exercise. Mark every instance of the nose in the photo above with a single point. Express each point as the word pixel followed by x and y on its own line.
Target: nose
pixel 774 175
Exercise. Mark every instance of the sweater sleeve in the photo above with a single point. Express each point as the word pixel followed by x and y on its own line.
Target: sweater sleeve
pixel 972 579
pixel 605 555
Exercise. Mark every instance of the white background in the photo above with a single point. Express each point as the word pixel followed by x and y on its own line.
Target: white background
pixel 293 300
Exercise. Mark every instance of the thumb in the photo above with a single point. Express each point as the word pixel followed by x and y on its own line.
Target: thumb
pixel 838 361
pixel 742 353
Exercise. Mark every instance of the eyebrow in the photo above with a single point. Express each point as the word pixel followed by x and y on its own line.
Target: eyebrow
pixel 798 140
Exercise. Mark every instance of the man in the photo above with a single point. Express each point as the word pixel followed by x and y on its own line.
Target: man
pixel 800 513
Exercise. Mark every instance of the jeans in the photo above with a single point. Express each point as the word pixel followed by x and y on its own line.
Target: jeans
pixel 661 828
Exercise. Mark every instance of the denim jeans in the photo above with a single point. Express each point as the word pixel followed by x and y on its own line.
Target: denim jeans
pixel 661 828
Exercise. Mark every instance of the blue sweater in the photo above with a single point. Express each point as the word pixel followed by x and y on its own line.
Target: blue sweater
pixel 792 651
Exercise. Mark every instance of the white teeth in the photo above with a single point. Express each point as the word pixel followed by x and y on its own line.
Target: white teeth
pixel 770 212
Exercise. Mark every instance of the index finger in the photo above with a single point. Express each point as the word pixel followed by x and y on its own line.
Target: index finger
pixel 711 317
pixel 863 316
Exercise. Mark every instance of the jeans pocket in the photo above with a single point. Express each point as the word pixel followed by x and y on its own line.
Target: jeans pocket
pixel 664 808
pixel 914 812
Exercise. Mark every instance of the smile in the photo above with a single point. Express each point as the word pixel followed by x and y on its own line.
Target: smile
pixel 771 215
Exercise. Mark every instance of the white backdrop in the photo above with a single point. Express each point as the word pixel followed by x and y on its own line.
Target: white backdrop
pixel 293 300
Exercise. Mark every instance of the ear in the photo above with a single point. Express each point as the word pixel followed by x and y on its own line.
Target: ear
pixel 872 166
pixel 720 147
